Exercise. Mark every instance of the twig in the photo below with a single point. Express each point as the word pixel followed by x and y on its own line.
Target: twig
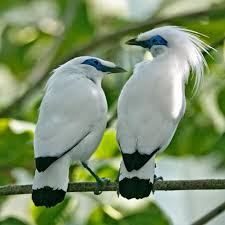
pixel 39 74
pixel 140 27
pixel 170 185
pixel 210 215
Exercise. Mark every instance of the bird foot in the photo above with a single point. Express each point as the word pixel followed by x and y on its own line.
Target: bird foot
pixel 160 178
pixel 101 182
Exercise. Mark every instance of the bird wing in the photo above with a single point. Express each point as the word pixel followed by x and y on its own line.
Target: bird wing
pixel 69 111
pixel 149 109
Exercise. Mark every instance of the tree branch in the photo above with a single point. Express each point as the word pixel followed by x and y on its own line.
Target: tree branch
pixel 47 63
pixel 171 185
pixel 140 27
pixel 210 215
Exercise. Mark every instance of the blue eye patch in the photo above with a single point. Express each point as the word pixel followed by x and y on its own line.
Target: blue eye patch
pixel 155 40
pixel 97 64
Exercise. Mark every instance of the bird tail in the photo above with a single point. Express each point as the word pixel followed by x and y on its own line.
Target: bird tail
pixel 137 183
pixel 50 186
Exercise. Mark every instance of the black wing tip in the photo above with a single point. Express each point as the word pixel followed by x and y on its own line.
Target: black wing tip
pixel 136 160
pixel 135 188
pixel 47 196
pixel 42 163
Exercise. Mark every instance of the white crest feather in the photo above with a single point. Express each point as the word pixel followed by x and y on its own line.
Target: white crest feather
pixel 193 52
pixel 188 47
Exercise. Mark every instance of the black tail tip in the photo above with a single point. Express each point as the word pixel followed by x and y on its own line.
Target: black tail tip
pixel 135 188
pixel 47 196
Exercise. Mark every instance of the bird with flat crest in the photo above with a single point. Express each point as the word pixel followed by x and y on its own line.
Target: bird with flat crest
pixel 71 122
pixel 152 103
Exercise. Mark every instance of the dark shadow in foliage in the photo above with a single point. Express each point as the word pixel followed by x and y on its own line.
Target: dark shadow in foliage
pixel 12 221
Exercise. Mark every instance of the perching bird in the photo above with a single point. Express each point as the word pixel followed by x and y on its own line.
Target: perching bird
pixel 152 103
pixel 71 123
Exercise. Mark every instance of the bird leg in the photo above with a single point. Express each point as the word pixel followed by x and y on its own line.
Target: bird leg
pixel 156 179
pixel 100 181
pixel 117 181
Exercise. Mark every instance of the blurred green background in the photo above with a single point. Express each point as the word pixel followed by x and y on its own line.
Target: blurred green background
pixel 38 35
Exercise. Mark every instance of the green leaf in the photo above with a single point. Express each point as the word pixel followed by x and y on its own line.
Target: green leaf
pixel 108 147
pixel 219 148
pixel 100 217
pixel 12 221
pixel 59 214
pixel 221 101
pixel 150 214
pixel 194 136
pixel 16 150
pixel 6 5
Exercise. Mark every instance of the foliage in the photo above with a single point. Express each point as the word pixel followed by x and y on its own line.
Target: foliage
pixel 52 216
pixel 15 150
pixel 29 28
pixel 150 214
pixel 12 221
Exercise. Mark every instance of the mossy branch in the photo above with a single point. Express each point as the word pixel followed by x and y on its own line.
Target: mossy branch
pixel 170 185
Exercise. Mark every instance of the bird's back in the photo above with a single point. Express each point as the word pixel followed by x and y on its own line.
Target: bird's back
pixel 72 105
pixel 150 106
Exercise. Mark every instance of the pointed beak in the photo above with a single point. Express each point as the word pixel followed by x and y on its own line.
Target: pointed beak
pixel 132 42
pixel 117 69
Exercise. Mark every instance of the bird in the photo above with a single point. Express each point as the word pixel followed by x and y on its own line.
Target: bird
pixel 152 103
pixel 72 119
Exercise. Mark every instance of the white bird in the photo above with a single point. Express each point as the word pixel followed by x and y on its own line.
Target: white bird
pixel 152 103
pixel 72 119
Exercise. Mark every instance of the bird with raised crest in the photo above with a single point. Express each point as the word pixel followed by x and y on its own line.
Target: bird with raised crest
pixel 152 103
pixel 71 122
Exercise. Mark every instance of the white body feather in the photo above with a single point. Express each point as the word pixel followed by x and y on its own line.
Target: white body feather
pixel 67 116
pixel 152 102
pixel 150 106
pixel 74 108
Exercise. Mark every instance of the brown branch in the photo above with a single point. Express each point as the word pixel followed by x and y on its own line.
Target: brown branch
pixel 171 185
pixel 140 27
pixel 210 215
pixel 46 64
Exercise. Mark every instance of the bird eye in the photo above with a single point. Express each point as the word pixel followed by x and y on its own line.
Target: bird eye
pixel 96 62
pixel 154 40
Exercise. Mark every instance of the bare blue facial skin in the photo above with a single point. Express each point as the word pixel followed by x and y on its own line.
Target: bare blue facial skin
pixel 99 66
pixel 155 40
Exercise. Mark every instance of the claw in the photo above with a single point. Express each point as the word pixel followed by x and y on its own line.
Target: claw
pixel 101 182
pixel 155 180
pixel 158 178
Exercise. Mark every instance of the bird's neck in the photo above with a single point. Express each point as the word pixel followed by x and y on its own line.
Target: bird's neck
pixel 95 78
pixel 159 51
pixel 172 58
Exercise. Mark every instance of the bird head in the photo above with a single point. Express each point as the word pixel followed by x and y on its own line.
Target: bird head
pixel 93 67
pixel 100 65
pixel 182 43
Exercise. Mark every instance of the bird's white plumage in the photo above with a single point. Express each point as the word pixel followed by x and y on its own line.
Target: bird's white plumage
pixel 146 172
pixel 150 106
pixel 73 112
pixel 152 102
pixel 56 176
pixel 72 107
